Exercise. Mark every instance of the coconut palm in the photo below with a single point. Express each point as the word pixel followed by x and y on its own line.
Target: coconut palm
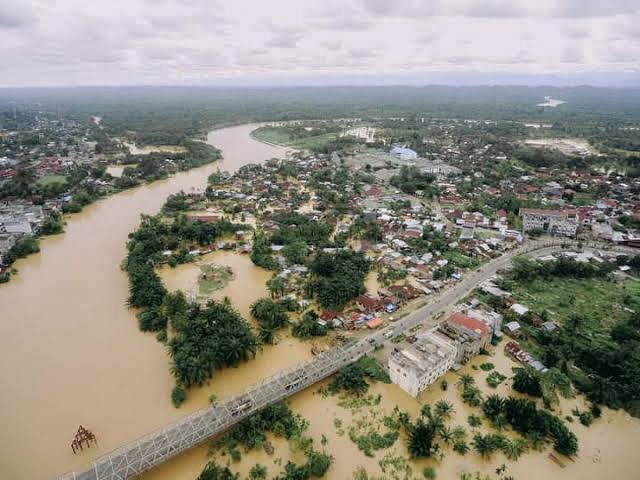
pixel 493 406
pixel 466 380
pixel 420 441
pixel 446 435
pixel 486 445
pixel 513 449
pixel 459 433
pixel 461 447
pixel 444 409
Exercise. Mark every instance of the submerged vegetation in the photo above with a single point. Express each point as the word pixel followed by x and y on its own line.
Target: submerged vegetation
pixel 204 338
pixel 353 378
pixel 278 419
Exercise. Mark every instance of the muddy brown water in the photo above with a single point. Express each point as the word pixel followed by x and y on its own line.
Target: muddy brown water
pixel 71 354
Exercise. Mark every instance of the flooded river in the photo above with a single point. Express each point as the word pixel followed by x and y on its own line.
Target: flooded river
pixel 71 353
pixel 70 350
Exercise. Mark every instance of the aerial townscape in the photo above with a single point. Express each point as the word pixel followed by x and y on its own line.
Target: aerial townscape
pixel 230 264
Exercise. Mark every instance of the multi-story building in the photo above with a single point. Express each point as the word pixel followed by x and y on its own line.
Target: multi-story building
pixel 421 364
pixel 554 222
pixel 469 335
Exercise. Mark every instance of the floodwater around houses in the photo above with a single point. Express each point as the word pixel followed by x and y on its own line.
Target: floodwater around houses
pixel 72 354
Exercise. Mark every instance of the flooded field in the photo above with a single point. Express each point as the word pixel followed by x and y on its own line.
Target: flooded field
pixel 606 448
pixel 247 285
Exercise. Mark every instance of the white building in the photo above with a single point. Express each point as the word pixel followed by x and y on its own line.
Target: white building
pixel 404 153
pixel 493 320
pixel 554 222
pixel 418 366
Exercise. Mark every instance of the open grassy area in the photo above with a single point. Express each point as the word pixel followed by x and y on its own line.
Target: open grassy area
pixel 277 135
pixel 315 142
pixel 599 301
pixel 584 198
pixel 213 277
pixel 51 179
pixel 281 136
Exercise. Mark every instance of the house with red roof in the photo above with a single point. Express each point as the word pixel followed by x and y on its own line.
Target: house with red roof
pixel 469 335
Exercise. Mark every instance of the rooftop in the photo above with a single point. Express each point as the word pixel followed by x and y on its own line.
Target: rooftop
pixel 425 354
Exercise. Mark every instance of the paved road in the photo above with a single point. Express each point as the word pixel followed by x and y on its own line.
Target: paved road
pixel 140 455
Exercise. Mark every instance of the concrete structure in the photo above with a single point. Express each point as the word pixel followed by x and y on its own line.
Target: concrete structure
pixel 493 320
pixel 553 222
pixel 134 458
pixel 418 366
pixel 468 334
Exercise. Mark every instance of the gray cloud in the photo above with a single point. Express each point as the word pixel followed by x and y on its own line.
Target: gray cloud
pixel 350 24
pixel 494 9
pixel 595 8
pixel 332 45
pixel 284 40
pixel 16 13
pixel 160 41
pixel 577 32
pixel 572 54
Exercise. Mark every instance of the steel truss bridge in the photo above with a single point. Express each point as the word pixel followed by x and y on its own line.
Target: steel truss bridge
pixel 157 447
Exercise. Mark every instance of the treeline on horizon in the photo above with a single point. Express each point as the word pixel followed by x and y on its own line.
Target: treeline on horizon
pixel 174 114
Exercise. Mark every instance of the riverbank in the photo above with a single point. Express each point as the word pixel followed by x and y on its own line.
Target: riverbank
pixel 76 197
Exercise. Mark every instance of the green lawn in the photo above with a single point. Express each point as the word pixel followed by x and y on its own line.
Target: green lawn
pixel 460 260
pixel 598 301
pixel 51 179
pixel 277 135
pixel 584 198
pixel 280 136
pixel 314 142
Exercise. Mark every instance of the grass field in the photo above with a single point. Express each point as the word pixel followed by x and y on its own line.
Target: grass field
pixel 584 198
pixel 280 136
pixel 276 135
pixel 51 179
pixel 600 302
pixel 314 142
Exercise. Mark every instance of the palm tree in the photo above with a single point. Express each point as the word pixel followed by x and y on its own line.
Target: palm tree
pixel 446 435
pixel 493 406
pixel 444 409
pixel 513 449
pixel 484 445
pixel 461 447
pixel 459 433
pixel 466 380
pixel 268 335
pixel 420 441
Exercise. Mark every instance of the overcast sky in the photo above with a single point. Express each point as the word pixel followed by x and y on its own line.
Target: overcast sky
pixel 132 42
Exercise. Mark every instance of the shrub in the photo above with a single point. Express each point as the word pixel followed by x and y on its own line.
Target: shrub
pixel 178 396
